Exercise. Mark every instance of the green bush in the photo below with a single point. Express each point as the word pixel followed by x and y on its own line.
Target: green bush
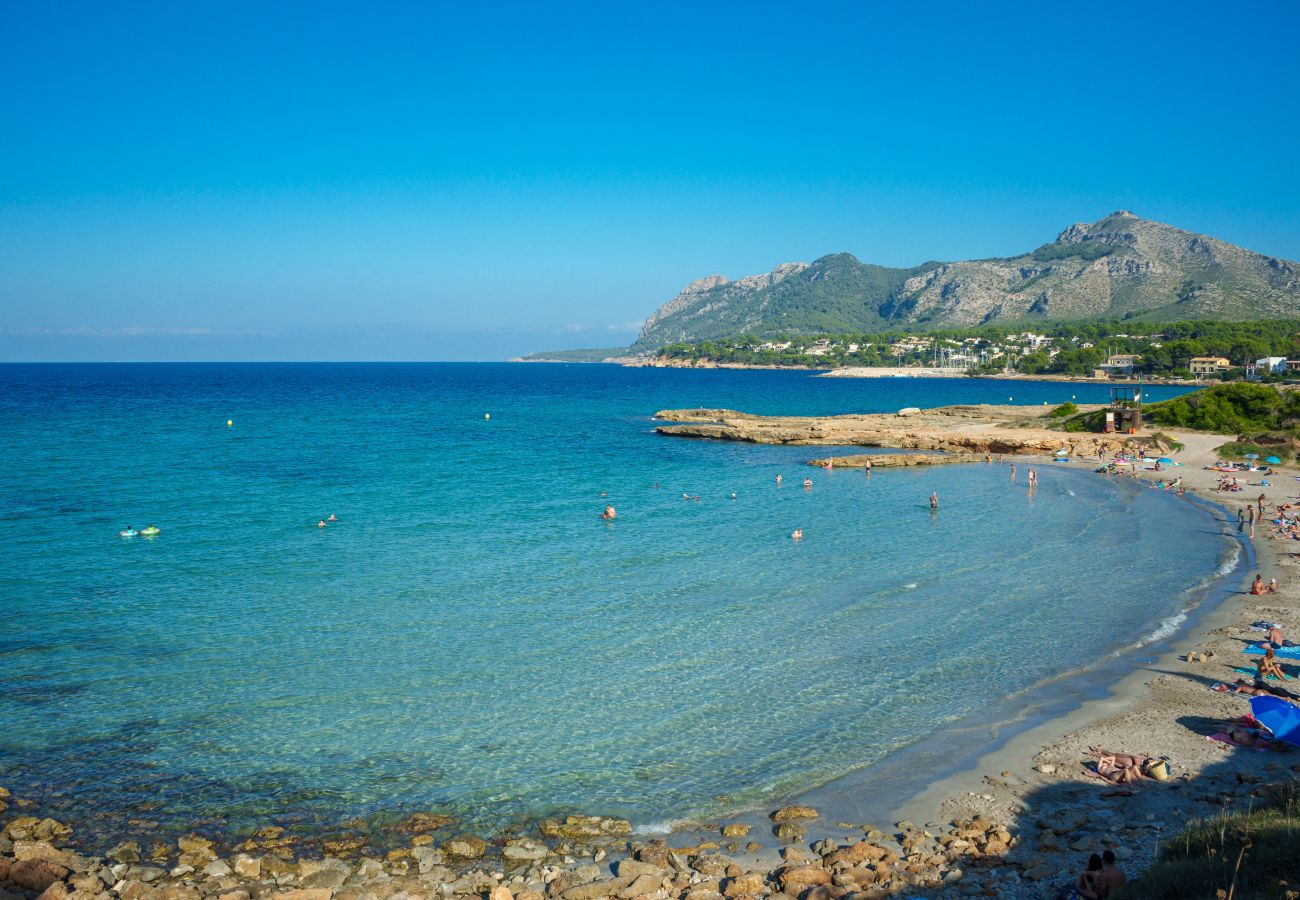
pixel 1239 449
pixel 1228 408
pixel 1253 855
pixel 1093 421
pixel 1065 409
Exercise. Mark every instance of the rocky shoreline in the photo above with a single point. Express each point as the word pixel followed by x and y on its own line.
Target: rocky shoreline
pixel 967 429
pixel 574 858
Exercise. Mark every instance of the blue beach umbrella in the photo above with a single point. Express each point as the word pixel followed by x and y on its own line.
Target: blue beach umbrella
pixel 1278 716
pixel 1165 461
pixel 1252 456
pixel 1273 461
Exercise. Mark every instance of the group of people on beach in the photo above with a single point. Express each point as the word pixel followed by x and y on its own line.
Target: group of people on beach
pixel 1102 876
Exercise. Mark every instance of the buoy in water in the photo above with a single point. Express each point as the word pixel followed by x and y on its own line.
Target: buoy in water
pixel 230 423
pixel 487 415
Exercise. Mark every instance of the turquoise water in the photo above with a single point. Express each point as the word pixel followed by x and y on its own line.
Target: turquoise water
pixel 469 636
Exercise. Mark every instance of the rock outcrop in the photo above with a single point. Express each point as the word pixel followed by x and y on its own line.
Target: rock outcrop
pixel 968 431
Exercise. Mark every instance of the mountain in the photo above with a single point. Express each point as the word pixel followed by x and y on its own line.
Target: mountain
pixel 1122 267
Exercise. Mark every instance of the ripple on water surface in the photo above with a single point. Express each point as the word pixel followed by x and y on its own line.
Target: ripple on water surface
pixel 470 636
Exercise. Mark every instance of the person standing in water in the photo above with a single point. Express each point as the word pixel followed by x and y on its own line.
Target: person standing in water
pixel 1033 477
pixel 934 500
pixel 1013 471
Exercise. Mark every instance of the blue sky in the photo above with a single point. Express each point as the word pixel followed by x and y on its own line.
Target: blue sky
pixel 421 181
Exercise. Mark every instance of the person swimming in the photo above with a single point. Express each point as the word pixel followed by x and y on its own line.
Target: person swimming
pixel 331 518
pixel 320 524
pixel 797 534
pixel 807 482
pixel 609 513
pixel 128 532
pixel 778 479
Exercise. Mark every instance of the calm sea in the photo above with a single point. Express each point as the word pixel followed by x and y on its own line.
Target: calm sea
pixel 470 637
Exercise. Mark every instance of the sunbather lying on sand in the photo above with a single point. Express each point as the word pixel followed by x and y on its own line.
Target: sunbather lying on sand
pixel 1121 768
pixel 1241 686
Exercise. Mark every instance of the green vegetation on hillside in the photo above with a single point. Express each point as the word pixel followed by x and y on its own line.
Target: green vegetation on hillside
pixel 595 354
pixel 1251 855
pixel 1060 348
pixel 1088 251
pixel 1238 408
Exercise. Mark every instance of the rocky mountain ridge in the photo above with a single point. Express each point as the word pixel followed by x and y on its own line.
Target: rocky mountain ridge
pixel 1120 267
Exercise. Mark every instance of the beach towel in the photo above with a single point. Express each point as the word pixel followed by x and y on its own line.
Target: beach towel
pixel 1290 651
pixel 1251 673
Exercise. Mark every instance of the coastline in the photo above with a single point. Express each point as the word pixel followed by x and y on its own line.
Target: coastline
pixel 1036 772
pixel 904 854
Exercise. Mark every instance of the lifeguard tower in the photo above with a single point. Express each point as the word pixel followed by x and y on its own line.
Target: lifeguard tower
pixel 1125 413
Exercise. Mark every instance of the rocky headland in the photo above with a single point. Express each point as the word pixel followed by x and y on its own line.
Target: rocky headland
pixel 1014 430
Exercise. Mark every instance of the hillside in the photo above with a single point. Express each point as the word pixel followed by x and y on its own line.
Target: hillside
pixel 589 355
pixel 1121 267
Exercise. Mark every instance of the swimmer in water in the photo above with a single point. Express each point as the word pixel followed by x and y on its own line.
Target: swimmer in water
pixel 778 479
pixel 320 524
pixel 934 500
pixel 807 482
pixel 1013 471
pixel 609 513
pixel 797 534
pixel 686 496
pixel 331 518
pixel 733 495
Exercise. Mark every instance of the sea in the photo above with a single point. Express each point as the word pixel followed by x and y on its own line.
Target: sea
pixel 466 635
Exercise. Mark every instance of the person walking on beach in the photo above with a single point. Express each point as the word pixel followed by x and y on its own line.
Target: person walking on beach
pixel 1250 520
pixel 1261 503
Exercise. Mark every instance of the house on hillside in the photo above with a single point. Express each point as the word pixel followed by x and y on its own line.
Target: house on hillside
pixel 1271 365
pixel 1202 366
pixel 1119 365
pixel 1293 366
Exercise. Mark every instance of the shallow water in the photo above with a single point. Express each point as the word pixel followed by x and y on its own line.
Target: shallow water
pixel 469 636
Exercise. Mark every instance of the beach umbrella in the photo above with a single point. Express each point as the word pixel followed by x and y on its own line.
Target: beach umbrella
pixel 1273 461
pixel 1252 456
pixel 1278 716
pixel 1165 461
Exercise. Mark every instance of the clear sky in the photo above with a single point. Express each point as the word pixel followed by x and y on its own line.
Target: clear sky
pixel 375 180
